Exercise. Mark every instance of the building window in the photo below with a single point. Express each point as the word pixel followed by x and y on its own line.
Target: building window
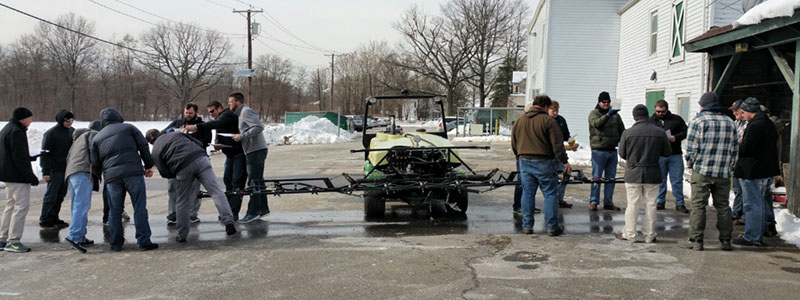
pixel 653 32
pixel 684 103
pixel 678 30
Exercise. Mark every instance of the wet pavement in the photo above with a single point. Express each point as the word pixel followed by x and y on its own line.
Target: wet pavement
pixel 400 220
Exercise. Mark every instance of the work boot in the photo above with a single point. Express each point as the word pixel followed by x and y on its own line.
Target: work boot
pixel 611 207
pixel 725 245
pixel 527 231
pixel 564 204
pixel 592 207
pixel 660 206
pixel 230 229
pixel 771 231
pixel 696 245
pixel 558 231
pixel 682 209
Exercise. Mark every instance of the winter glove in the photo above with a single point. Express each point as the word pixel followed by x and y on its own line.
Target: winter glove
pixel 612 111
pixel 34 181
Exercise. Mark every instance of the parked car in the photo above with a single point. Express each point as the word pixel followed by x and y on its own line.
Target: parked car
pixel 358 123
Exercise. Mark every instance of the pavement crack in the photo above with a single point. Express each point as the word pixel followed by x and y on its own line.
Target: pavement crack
pixel 499 243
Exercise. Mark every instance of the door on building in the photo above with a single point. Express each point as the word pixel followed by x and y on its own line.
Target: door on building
pixel 650 100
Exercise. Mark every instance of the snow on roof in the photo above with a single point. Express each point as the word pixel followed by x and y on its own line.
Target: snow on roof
pixel 517 77
pixel 767 10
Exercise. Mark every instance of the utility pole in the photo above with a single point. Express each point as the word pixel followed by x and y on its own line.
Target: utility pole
pixel 249 49
pixel 333 60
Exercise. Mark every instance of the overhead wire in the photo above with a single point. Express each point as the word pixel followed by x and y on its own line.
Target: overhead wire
pixel 90 36
pixel 267 16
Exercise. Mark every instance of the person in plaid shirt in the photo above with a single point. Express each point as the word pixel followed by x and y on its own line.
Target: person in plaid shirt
pixel 710 157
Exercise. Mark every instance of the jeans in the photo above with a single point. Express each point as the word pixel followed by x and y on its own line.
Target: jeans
pixel 604 165
pixel 562 187
pixel 80 191
pixel 719 189
pixel 672 166
pixel 518 192
pixel 235 179
pixel 134 186
pixel 737 211
pixel 769 199
pixel 535 174
pixel 755 208
pixel 53 197
pixel 640 196
pixel 255 170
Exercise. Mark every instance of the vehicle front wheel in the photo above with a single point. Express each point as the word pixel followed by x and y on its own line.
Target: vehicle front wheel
pixel 374 205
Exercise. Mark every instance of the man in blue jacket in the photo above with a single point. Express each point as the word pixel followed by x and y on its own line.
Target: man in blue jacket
pixel 119 150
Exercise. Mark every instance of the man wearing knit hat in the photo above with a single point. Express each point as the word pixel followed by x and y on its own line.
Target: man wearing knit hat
pixel 710 155
pixel 16 172
pixel 605 130
pixel 756 165
pixel 642 146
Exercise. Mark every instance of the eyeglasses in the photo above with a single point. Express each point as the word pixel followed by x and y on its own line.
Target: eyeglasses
pixel 211 111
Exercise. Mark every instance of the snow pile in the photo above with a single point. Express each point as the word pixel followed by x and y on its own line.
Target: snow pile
pixel 433 123
pixel 788 226
pixel 580 158
pixel 483 139
pixel 767 10
pixel 309 130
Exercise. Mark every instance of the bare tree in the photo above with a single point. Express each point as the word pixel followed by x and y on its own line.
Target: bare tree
pixel 516 39
pixel 439 48
pixel 71 53
pixel 190 58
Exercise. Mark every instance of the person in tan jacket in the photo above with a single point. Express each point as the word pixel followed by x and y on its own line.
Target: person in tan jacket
pixel 538 145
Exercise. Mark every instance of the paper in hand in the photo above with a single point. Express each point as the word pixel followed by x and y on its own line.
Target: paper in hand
pixel 225 134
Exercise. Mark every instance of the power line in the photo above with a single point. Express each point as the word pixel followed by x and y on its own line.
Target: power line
pixel 173 21
pixel 223 5
pixel 91 36
pixel 275 22
pixel 281 54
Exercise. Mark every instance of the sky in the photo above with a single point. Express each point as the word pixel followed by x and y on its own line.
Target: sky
pixel 339 26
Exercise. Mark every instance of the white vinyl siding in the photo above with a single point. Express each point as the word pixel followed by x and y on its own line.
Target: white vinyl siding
pixel 686 79
pixel 582 53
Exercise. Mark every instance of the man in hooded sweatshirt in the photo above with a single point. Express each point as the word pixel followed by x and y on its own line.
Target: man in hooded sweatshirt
pixel 182 158
pixel 605 130
pixel 119 150
pixel 17 173
pixel 641 146
pixel 539 147
pixel 82 181
pixel 56 142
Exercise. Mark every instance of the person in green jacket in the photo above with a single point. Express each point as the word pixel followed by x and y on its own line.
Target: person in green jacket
pixel 605 131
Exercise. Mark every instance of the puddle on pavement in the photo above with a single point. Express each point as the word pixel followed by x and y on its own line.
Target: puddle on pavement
pixel 481 219
pixel 525 256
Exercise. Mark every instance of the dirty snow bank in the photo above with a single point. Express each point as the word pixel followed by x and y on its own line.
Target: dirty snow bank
pixel 309 130
pixel 483 139
pixel 788 226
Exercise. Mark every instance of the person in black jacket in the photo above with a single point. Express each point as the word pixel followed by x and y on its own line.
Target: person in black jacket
pixel 562 123
pixel 190 118
pixel 56 142
pixel 235 174
pixel 119 150
pixel 641 146
pixel 756 165
pixel 671 166
pixel 180 156
pixel 17 173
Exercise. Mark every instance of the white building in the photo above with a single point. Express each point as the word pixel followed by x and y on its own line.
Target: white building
pixel 573 56
pixel 518 82
pixel 652 62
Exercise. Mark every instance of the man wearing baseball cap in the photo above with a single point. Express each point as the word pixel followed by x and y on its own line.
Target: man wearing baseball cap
pixel 17 173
